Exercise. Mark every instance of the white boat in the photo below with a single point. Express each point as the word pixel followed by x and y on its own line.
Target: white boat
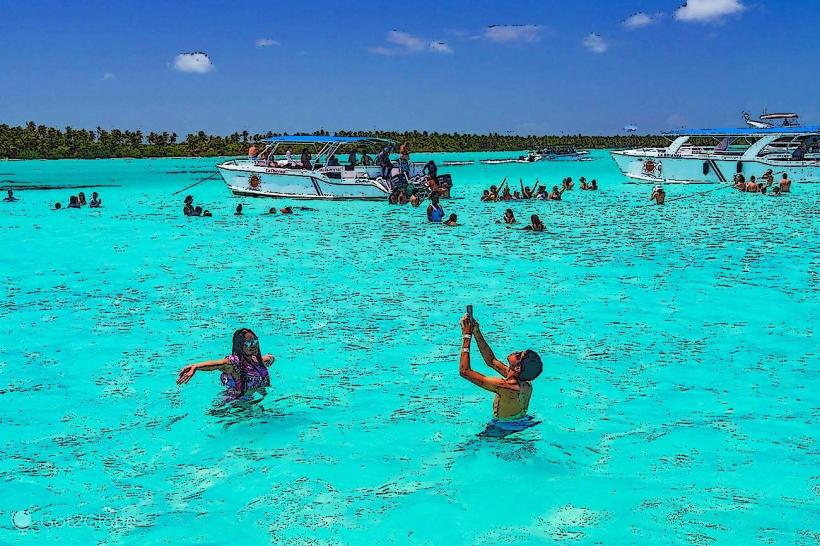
pixel 703 156
pixel 278 178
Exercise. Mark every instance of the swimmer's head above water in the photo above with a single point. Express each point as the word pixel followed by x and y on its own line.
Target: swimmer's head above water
pixel 524 365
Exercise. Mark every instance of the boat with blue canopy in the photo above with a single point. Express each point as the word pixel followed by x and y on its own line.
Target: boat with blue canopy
pixel 321 175
pixel 703 156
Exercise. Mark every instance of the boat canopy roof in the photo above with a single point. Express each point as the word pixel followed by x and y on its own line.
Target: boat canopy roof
pixel 747 131
pixel 309 139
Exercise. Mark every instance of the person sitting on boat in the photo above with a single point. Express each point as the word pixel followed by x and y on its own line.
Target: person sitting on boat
pixel 351 159
pixel 535 224
pixel 435 212
pixel 305 159
pixel 800 152
pixel 785 184
pixel 366 159
pixel 289 157
pixel 556 193
pixel 238 211
pixel 243 371
pixel 509 217
pixel 253 152
pixel 513 389
pixel 10 196
pixel 95 202
pixel 452 221
pixel 430 169
pixel 593 186
pixel 658 195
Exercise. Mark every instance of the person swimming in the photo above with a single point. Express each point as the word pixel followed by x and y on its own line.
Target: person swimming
pixel 95 202
pixel 73 202
pixel 57 206
pixel 513 389
pixel 658 195
pixel 593 186
pixel 541 193
pixel 272 210
pixel 452 221
pixel 243 371
pixel 509 217
pixel 81 199
pixel 286 210
pixel 555 195
pixel 10 196
pixel 435 212
pixel 535 224
pixel 238 211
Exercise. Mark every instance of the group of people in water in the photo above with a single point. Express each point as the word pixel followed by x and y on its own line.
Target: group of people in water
pixel 245 372
pixel 189 209
pixel 766 182
pixel 78 201
pixel 538 191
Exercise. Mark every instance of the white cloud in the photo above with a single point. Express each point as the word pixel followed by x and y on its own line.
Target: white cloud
pixel 405 43
pixel 705 11
pixel 440 47
pixel 513 33
pixel 595 43
pixel 108 76
pixel 405 40
pixel 266 42
pixel 639 20
pixel 196 61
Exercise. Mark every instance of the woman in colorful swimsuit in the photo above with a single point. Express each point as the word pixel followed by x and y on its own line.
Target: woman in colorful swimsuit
pixel 243 371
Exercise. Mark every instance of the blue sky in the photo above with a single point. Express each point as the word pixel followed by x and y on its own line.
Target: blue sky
pixel 546 67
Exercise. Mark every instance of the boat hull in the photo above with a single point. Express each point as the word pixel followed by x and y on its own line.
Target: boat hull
pixel 652 167
pixel 300 184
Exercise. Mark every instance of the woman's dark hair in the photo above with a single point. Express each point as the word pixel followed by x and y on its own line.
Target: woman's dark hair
pixel 238 350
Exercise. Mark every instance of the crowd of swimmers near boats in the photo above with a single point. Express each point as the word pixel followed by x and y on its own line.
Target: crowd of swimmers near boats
pixel 766 183
pixel 502 192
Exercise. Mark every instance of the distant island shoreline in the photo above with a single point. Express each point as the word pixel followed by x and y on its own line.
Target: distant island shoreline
pixel 32 141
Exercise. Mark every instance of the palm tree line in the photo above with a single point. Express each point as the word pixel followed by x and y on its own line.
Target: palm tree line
pixel 32 141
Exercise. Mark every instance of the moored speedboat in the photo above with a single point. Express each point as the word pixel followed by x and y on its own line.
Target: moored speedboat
pixel 703 156
pixel 280 178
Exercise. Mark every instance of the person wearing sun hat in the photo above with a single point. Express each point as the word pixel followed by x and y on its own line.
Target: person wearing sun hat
pixel 658 195
pixel 514 388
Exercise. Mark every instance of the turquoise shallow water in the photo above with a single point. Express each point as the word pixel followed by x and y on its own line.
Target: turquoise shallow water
pixel 679 399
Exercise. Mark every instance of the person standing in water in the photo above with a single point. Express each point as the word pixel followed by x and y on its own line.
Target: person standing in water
pixel 785 184
pixel 95 202
pixel 513 389
pixel 435 212
pixel 10 197
pixel 658 195
pixel 243 371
